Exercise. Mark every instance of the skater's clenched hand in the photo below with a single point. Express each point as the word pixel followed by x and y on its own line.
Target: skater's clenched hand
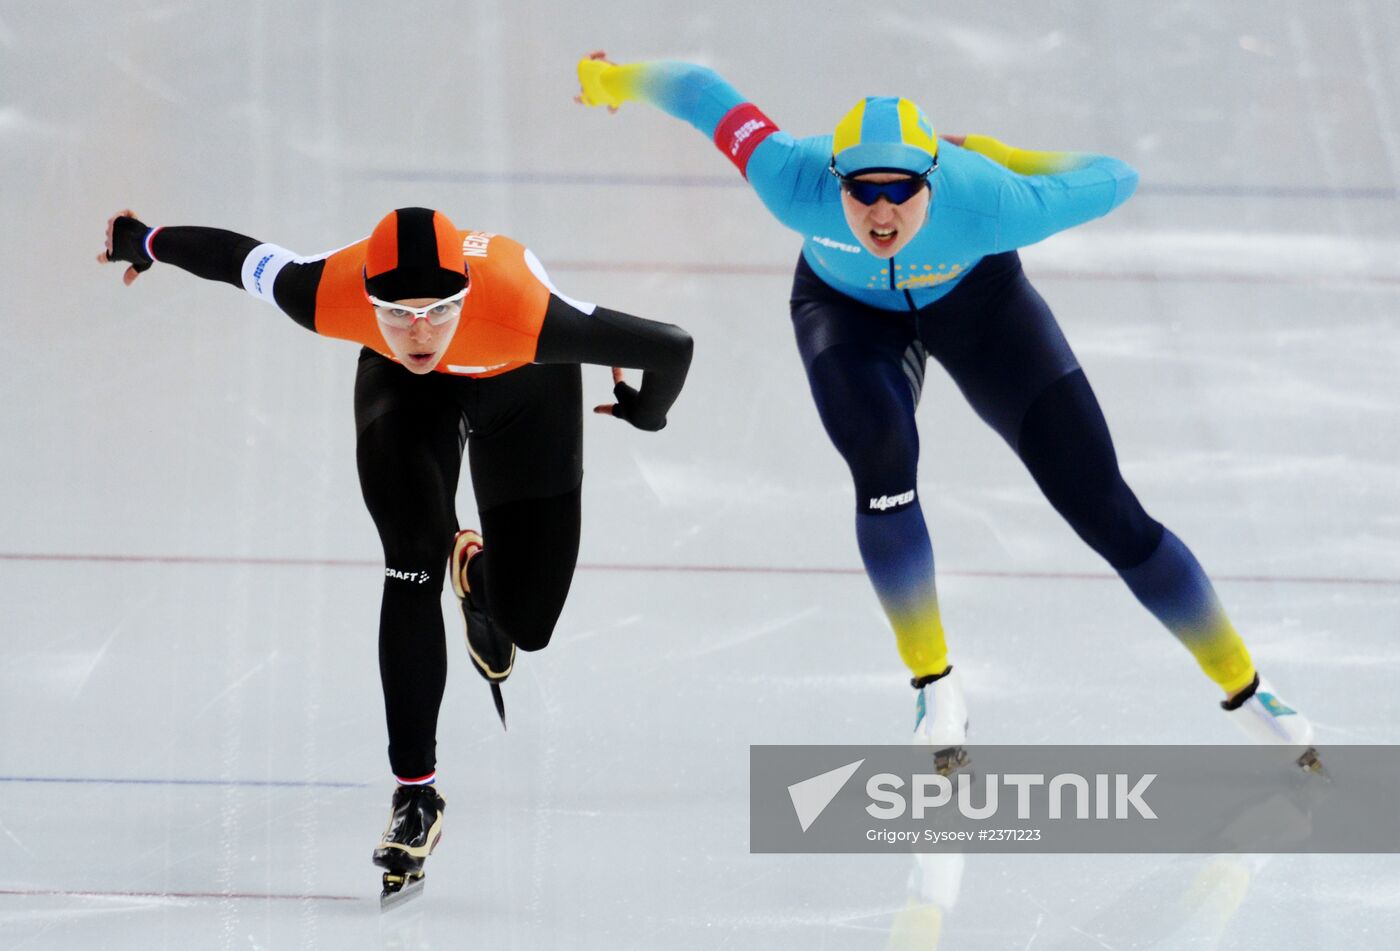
pixel 610 409
pixel 125 236
pixel 591 91
pixel 626 406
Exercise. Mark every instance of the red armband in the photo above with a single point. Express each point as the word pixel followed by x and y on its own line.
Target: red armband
pixel 739 133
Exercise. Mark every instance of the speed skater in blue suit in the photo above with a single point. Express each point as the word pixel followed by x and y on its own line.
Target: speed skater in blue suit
pixel 909 252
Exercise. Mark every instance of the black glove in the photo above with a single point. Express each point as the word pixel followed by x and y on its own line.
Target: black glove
pixel 628 409
pixel 129 243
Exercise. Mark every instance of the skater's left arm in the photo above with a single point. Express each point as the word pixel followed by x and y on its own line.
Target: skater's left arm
pixel 577 332
pixel 1049 192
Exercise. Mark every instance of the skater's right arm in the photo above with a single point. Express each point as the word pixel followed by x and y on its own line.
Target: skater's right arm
pixel 266 271
pixel 773 162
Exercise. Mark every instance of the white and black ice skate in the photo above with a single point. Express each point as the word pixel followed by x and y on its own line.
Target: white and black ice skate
pixel 414 830
pixel 940 719
pixel 1266 719
pixel 492 655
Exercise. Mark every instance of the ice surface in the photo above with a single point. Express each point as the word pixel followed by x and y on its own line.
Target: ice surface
pixel 191 741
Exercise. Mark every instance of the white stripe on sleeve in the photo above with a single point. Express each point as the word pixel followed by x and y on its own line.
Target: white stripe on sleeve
pixel 265 262
pixel 537 269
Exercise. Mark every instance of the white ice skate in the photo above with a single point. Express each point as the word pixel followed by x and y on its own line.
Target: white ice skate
pixel 940 719
pixel 1265 718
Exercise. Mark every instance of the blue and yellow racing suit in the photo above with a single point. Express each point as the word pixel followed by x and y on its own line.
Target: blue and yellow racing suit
pixel 956 291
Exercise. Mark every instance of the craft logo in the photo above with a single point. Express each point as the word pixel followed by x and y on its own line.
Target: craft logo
pixel 886 502
pixel 419 576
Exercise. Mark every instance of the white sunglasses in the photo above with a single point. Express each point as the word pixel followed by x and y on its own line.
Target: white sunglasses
pixel 404 317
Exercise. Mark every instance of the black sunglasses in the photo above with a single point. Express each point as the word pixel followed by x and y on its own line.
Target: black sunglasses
pixel 896 192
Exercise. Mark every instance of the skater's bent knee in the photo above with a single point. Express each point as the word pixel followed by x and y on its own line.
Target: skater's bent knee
pixel 527 634
pixel 524 616
pixel 537 643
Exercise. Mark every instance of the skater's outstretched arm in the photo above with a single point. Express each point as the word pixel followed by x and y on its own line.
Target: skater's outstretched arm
pixel 266 271
pixel 784 171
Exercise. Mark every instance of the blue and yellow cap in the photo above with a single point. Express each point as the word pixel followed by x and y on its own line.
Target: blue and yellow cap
pixel 885 133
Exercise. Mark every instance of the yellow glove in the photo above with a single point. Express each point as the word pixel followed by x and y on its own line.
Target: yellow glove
pixel 998 152
pixel 590 80
pixel 1020 161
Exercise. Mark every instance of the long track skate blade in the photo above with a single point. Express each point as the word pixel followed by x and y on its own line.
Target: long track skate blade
pixel 500 703
pixel 399 889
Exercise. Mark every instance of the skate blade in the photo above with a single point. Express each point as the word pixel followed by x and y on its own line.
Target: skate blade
pixel 500 703
pixel 400 889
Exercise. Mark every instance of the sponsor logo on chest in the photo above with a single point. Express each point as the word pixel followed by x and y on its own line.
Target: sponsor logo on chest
pixel 836 245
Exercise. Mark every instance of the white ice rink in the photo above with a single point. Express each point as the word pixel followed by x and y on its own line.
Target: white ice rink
pixel 191 731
